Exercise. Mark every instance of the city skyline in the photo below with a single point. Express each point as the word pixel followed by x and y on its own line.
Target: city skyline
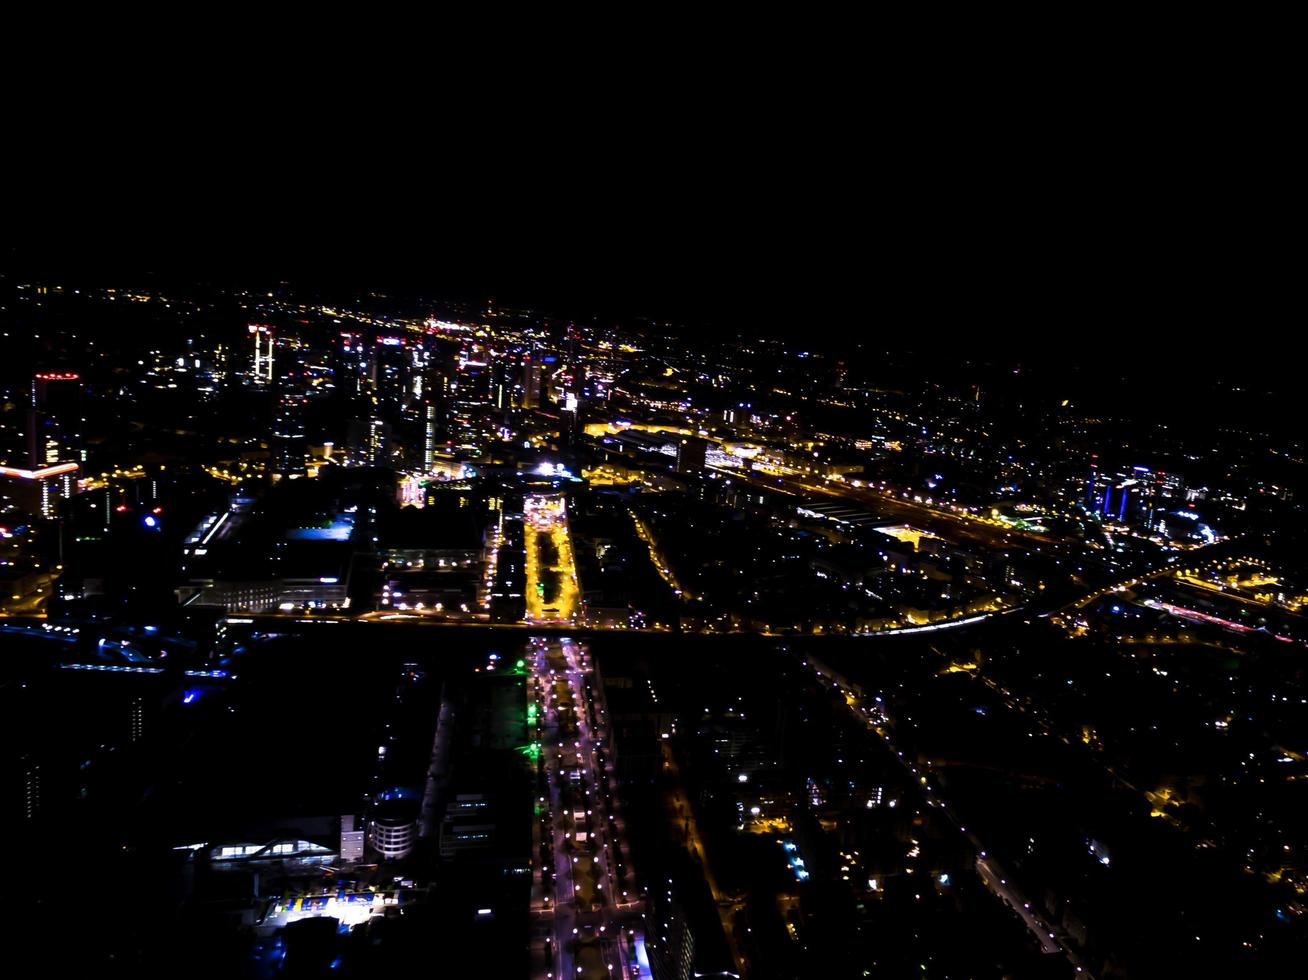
pixel 848 525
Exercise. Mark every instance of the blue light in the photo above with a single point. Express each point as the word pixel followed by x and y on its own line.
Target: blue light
pixel 150 521
pixel 190 696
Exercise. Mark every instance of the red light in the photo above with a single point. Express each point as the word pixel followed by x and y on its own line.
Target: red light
pixel 158 510
pixel 121 508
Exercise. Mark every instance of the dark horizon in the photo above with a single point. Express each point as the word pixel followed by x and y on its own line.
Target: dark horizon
pixel 1187 312
pixel 1060 223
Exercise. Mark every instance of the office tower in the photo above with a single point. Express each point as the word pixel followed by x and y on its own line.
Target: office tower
pixel 39 491
pixel 262 336
pixel 691 452
pixel 570 420
pixel 391 370
pixel 31 787
pixel 54 420
pixel 501 392
pixel 532 380
pixel 429 436
pixel 669 941
pixel 137 719
pixel 289 444
pixel 351 364
pixel 367 442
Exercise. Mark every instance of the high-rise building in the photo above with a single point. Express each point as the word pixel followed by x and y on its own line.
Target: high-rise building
pixel 55 419
pixel 570 427
pixel 501 394
pixel 532 380
pixel 669 941
pixel 1134 495
pixel 691 452
pixel 392 369
pixel 352 838
pixel 351 367
pixel 31 787
pixel 429 436
pixel 39 491
pixel 367 442
pixel 262 335
pixel 289 445
pixel 138 719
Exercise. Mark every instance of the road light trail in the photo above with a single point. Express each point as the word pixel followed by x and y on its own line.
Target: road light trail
pixel 592 923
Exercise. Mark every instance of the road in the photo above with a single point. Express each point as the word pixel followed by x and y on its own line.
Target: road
pixel 552 592
pixel 585 902
pixel 999 885
pixel 875 719
pixel 728 906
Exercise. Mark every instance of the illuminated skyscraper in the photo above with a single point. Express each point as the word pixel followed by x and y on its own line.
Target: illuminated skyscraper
pixel 532 380
pixel 39 491
pixel 501 389
pixel 391 367
pixel 367 442
pixel 289 447
pixel 31 788
pixel 54 420
pixel 137 719
pixel 429 436
pixel 351 364
pixel 263 353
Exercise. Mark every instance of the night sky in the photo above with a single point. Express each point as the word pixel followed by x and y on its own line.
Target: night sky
pixel 1085 219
